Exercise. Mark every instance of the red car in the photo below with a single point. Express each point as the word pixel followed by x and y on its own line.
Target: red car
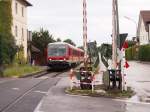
pixel 61 54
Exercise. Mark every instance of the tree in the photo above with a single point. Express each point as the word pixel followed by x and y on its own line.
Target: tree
pixel 58 40
pixel 106 49
pixel 41 39
pixel 81 47
pixel 69 41
pixel 131 43
pixel 106 53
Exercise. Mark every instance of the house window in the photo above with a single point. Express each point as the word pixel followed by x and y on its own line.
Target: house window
pixel 16 7
pixel 22 34
pixel 16 31
pixel 22 11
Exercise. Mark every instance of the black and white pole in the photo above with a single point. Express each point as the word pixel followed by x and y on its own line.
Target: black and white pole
pixel 85 31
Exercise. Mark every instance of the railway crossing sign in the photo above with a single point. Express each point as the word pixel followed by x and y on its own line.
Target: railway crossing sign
pixel 122 38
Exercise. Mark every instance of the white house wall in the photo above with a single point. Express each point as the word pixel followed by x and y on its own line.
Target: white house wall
pixel 21 23
pixel 142 34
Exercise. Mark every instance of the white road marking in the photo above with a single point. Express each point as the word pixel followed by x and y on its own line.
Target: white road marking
pixel 44 77
pixel 16 89
pixel 135 102
pixel 42 92
pixel 6 81
pixel 37 109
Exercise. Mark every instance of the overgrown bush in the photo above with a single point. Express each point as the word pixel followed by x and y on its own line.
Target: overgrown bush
pixel 129 54
pixel 144 53
pixel 19 57
pixel 141 53
pixel 8 48
pixel 5 16
pixel 7 42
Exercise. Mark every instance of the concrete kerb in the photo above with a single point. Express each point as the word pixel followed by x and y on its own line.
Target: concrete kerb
pixel 33 74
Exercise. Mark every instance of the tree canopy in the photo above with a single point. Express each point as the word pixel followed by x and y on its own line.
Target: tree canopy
pixel 131 43
pixel 41 39
pixel 69 41
pixel 58 40
pixel 106 50
pixel 106 53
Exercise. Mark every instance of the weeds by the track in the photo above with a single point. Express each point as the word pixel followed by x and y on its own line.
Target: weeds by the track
pixel 100 91
pixel 17 71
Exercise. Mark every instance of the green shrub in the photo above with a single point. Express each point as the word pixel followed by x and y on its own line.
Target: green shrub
pixel 129 54
pixel 141 53
pixel 7 41
pixel 144 53
pixel 134 53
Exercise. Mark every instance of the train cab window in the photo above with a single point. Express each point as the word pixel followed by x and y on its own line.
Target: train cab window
pixel 57 50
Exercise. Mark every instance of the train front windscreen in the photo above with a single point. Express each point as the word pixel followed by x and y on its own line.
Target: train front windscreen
pixel 56 50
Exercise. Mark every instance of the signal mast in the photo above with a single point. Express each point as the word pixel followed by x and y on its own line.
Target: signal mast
pixel 115 33
pixel 85 32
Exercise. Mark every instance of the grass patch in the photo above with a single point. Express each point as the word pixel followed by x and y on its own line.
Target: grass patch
pixel 101 92
pixel 17 71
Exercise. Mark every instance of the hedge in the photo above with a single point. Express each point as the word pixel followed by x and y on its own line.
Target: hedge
pixel 144 53
pixel 129 54
pixel 141 53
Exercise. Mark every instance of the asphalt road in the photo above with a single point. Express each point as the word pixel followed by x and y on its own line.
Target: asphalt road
pixel 23 95
pixel 138 77
pixel 57 101
pixel 46 94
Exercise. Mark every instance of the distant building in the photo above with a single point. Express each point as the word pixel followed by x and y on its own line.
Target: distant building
pixel 19 27
pixel 143 31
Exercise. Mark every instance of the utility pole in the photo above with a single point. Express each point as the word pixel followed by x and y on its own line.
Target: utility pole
pixel 115 34
pixel 85 32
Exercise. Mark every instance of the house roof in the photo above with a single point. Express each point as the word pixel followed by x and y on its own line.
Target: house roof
pixel 145 14
pixel 26 2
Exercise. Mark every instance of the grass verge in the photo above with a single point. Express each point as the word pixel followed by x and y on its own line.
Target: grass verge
pixel 17 71
pixel 101 92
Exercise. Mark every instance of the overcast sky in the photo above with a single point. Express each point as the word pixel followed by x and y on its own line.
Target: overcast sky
pixel 63 18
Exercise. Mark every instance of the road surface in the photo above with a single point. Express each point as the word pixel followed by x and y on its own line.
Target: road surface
pixel 23 95
pixel 138 77
pixel 57 101
pixel 46 94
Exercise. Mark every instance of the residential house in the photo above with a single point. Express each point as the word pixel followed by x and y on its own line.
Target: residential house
pixel 143 31
pixel 19 27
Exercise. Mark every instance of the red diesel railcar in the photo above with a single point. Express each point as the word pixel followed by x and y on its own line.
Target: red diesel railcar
pixel 61 54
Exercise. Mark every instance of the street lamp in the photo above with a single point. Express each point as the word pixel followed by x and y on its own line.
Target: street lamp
pixel 130 19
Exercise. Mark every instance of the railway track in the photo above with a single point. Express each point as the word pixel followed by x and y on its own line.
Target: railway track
pixel 50 75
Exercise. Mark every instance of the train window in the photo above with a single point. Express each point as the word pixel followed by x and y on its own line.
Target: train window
pixel 57 50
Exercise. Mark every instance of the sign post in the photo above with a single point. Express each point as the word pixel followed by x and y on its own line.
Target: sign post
pixel 85 32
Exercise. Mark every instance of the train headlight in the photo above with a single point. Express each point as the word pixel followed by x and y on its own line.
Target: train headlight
pixel 64 59
pixel 50 59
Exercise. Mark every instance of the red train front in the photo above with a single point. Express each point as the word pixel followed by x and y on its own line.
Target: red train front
pixel 63 55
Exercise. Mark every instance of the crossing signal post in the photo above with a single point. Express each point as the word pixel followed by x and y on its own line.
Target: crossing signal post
pixel 118 41
pixel 85 33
